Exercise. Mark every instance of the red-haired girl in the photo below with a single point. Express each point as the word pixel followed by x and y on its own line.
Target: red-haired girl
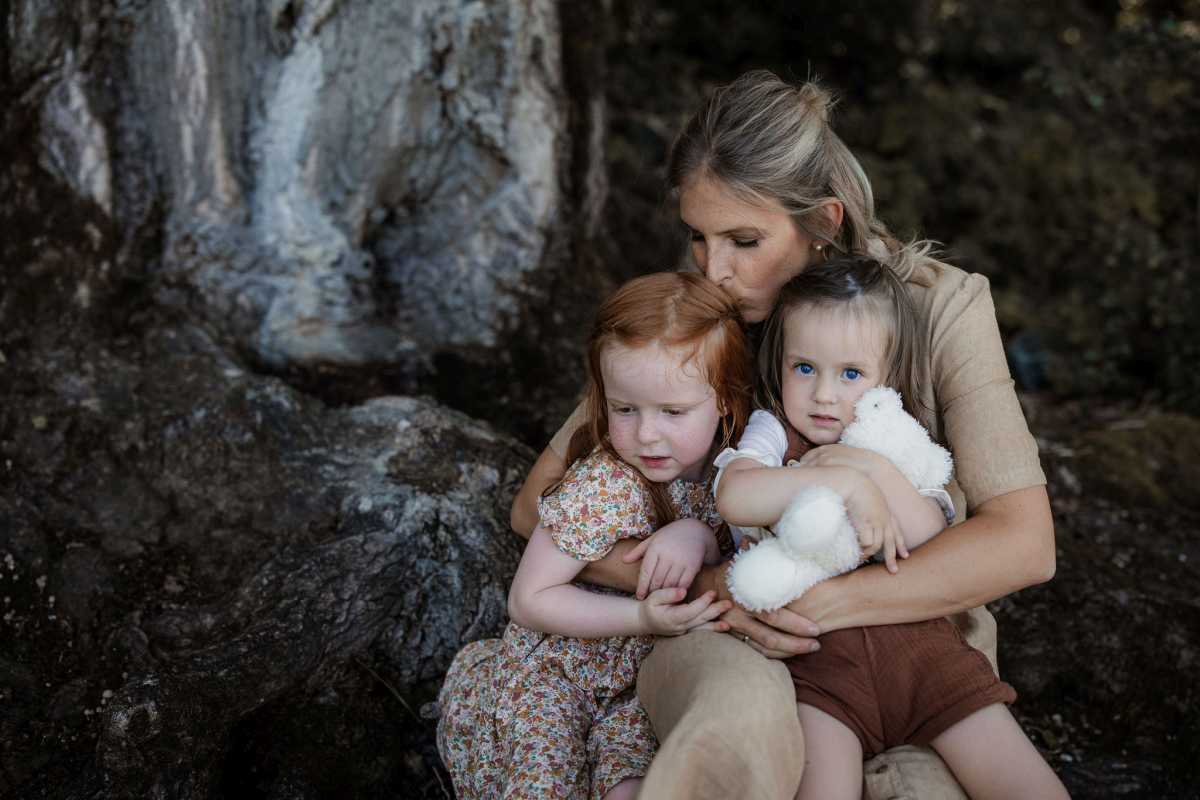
pixel 549 710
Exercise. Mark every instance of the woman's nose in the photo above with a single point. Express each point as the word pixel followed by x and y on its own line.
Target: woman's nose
pixel 714 263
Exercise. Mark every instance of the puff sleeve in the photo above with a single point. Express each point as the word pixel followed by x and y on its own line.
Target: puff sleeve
pixel 598 503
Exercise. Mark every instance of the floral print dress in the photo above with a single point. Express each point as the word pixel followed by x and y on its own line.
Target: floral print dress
pixel 541 715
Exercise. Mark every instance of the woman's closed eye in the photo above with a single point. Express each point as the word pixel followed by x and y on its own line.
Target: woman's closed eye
pixel 696 237
pixel 621 409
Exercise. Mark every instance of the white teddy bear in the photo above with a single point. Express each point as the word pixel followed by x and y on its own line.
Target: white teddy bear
pixel 814 539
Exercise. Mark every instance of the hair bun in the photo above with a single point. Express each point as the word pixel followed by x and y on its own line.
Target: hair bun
pixel 818 99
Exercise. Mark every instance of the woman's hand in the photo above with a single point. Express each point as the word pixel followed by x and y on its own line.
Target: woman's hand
pixel 662 613
pixel 672 555
pixel 775 634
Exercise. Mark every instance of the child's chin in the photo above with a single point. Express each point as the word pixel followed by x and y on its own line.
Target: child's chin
pixel 660 475
pixel 823 436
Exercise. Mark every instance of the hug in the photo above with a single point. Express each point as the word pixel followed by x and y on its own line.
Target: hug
pixel 716 396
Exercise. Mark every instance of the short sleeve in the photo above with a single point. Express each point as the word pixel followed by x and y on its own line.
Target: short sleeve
pixel 978 411
pixel 764 441
pixel 694 500
pixel 561 441
pixel 598 503
pixel 942 498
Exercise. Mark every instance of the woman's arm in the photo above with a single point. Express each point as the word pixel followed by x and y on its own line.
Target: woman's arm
pixel 548 468
pixel 944 577
pixel 543 598
pixel 947 575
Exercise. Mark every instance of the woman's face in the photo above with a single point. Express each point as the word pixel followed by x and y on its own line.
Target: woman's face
pixel 749 249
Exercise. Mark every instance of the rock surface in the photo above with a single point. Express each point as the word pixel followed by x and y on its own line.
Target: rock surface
pixel 340 183
pixel 221 543
pixel 364 198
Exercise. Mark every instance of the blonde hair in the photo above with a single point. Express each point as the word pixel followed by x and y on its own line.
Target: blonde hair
pixel 869 290
pixel 765 138
pixel 675 309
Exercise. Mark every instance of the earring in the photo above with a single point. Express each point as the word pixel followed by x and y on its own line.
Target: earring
pixel 818 247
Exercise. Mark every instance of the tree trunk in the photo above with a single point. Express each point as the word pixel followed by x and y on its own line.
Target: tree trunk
pixel 219 580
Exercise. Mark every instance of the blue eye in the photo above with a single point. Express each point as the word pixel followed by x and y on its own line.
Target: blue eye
pixel 803 368
pixel 851 374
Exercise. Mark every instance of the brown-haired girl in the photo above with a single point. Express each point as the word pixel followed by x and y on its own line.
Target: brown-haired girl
pixel 550 709
pixel 837 331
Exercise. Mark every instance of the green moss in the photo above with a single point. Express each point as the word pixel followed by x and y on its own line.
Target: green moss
pixel 1153 462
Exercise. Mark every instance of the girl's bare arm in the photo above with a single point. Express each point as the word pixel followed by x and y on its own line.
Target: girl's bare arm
pixel 920 518
pixel 750 494
pixel 544 598
pixel 611 571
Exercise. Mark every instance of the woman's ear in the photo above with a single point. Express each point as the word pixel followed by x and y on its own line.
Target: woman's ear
pixel 833 211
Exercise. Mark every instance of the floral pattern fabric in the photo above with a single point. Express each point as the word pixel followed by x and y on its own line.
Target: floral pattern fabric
pixel 540 715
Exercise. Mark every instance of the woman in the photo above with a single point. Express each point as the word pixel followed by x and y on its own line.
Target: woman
pixel 766 188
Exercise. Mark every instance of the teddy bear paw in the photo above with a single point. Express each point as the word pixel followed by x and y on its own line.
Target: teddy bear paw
pixel 768 576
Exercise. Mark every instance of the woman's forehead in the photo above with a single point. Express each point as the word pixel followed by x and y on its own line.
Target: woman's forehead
pixel 706 197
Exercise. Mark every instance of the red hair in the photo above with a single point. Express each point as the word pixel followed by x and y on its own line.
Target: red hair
pixel 677 310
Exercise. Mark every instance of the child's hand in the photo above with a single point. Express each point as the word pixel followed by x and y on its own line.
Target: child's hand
pixel 876 527
pixel 662 613
pixel 672 555
pixel 841 455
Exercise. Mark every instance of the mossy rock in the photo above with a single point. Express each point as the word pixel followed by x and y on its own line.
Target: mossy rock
pixel 1151 464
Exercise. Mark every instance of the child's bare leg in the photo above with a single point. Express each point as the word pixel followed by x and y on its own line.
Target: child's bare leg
pixel 833 757
pixel 993 759
pixel 625 790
